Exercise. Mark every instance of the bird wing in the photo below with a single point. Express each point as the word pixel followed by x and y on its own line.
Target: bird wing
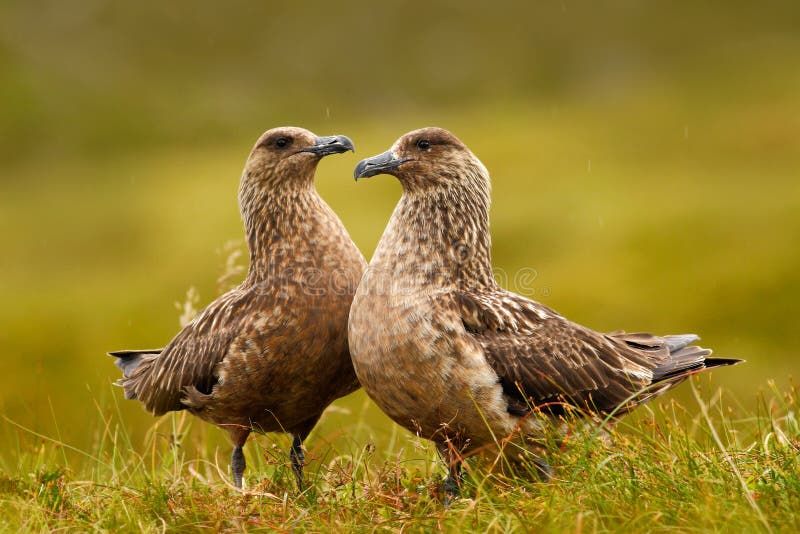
pixel 544 360
pixel 191 358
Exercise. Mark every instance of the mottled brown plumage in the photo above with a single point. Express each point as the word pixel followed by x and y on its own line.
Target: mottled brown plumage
pixel 271 354
pixel 449 354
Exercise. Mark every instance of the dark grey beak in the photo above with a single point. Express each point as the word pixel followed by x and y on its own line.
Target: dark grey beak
pixel 381 164
pixel 332 144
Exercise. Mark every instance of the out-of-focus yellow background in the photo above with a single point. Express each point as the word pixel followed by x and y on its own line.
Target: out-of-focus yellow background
pixel 645 160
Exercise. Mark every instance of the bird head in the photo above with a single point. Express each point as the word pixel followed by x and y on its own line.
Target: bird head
pixel 425 158
pixel 291 153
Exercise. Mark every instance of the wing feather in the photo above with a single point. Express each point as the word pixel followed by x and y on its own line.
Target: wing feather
pixel 542 359
pixel 190 361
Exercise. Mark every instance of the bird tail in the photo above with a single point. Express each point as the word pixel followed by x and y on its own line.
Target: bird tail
pixel 685 360
pixel 129 361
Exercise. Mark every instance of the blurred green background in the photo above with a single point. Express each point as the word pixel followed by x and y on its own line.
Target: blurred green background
pixel 645 160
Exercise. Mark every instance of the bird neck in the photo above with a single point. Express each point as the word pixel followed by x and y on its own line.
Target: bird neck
pixel 279 223
pixel 439 238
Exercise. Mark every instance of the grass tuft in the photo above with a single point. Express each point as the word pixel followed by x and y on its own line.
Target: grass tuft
pixel 709 466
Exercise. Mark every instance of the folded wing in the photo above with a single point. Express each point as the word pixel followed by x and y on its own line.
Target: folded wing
pixel 547 362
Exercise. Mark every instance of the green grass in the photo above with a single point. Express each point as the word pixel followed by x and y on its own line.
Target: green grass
pixel 711 465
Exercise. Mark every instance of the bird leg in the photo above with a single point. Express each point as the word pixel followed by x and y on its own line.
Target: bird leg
pixel 298 459
pixel 238 464
pixel 452 483
pixel 543 469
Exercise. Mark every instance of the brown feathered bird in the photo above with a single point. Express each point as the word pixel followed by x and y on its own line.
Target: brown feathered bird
pixel 453 357
pixel 271 354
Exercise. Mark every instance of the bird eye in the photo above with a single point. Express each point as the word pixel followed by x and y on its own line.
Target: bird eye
pixel 423 144
pixel 281 142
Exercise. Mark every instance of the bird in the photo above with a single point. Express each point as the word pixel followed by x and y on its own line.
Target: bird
pixel 271 354
pixel 450 355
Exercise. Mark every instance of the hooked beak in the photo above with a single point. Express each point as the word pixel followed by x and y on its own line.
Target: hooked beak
pixel 381 164
pixel 332 144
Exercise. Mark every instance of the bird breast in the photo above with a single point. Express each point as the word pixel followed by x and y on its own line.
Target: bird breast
pixel 415 361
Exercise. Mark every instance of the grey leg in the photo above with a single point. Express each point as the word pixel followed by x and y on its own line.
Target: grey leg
pixel 543 469
pixel 298 459
pixel 238 465
pixel 238 435
pixel 452 483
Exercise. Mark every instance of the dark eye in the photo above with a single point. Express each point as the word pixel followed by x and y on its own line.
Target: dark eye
pixel 281 142
pixel 423 144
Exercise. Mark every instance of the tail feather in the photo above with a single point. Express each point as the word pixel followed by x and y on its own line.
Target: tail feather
pixel 680 362
pixel 710 363
pixel 676 343
pixel 128 361
pixel 686 359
